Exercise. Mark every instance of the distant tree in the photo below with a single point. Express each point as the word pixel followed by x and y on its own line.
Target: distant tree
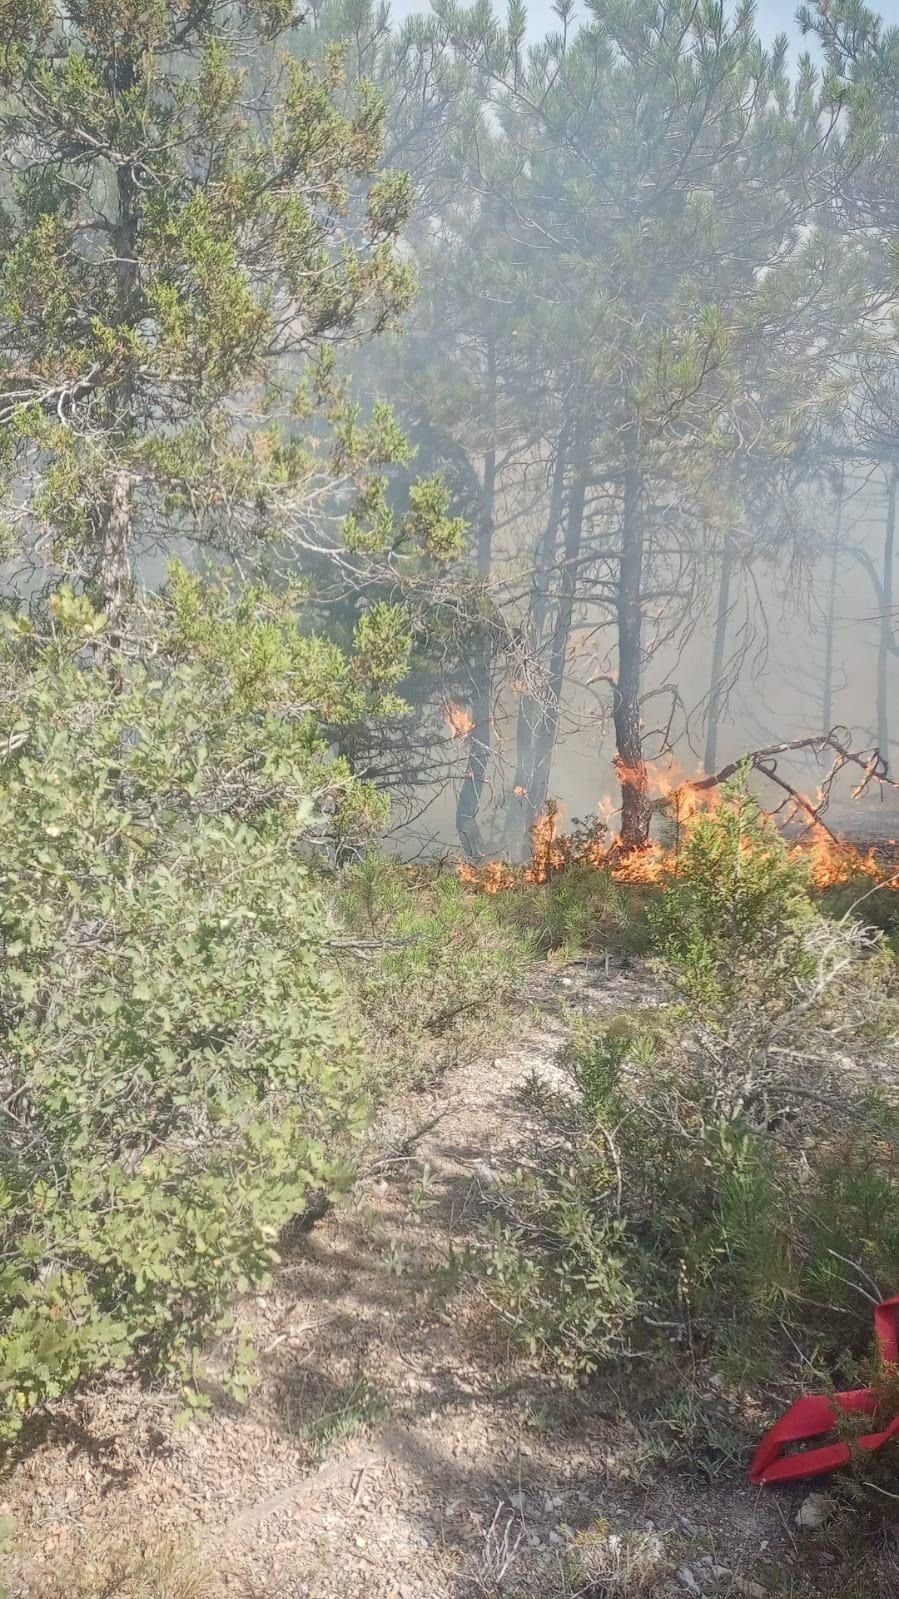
pixel 861 57
pixel 446 376
pixel 685 327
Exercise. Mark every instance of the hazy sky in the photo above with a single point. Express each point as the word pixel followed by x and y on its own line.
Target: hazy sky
pixel 773 15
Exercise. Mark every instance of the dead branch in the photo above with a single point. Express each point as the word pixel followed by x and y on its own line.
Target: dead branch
pixel 871 764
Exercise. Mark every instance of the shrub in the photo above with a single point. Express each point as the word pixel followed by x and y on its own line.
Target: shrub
pixel 434 966
pixel 732 927
pixel 579 907
pixel 714 1175
pixel 168 1569
pixel 175 1078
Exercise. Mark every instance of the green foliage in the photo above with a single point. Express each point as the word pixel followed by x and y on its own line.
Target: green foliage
pixel 347 1412
pixel 580 908
pixel 710 1183
pixel 439 966
pixel 176 1076
pixel 190 221
pixel 732 926
pixel 558 1262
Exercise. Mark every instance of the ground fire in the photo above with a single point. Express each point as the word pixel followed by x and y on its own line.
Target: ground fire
pixel 679 800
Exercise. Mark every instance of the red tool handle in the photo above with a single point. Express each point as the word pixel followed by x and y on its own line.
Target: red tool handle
pixel 817 1416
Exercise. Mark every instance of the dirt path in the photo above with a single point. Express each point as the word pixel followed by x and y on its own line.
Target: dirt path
pixel 393 1447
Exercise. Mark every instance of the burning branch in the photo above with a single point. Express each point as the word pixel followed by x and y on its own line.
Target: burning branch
pixel 870 763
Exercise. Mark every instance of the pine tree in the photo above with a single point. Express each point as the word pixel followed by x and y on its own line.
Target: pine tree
pixel 193 222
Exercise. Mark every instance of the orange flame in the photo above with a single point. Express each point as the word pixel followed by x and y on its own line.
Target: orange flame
pixel 458 720
pixel 831 861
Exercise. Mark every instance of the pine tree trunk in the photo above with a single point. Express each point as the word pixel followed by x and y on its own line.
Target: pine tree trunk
pixel 715 684
pixel 479 742
pixel 829 637
pixel 115 564
pixel 115 508
pixel 521 815
pixel 886 622
pixel 548 728
pixel 635 808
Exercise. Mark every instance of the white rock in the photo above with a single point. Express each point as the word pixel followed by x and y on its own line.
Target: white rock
pixel 687 1580
pixel 814 1511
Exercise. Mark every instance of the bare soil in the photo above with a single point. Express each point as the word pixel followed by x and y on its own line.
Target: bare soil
pixel 394 1447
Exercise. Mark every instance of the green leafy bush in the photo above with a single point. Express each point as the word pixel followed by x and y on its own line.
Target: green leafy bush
pixel 714 1176
pixel 732 927
pixel 175 1076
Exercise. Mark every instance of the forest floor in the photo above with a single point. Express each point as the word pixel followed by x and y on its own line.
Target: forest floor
pixel 394 1445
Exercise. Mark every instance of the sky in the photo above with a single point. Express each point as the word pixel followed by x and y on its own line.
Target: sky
pixel 774 16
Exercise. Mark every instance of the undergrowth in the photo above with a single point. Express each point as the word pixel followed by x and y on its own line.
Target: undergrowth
pixel 432 969
pixel 578 909
pixel 136 1569
pixel 724 1187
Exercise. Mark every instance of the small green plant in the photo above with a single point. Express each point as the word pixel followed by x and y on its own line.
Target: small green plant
pixel 451 1272
pixel 558 1263
pixel 697 1438
pixel 395 1261
pixel 423 1199
pixel 348 1412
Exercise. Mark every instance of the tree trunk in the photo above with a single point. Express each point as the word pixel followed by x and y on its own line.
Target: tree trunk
pixel 548 727
pixel 114 512
pixel 635 807
pixel 520 814
pixel 479 741
pixel 886 622
pixel 715 685
pixel 115 566
pixel 833 576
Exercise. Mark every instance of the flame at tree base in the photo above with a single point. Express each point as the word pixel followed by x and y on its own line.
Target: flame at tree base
pixel 832 862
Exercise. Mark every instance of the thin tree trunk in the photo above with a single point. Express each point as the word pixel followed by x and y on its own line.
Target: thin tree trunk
pixel 548 729
pixel 520 814
pixel 115 566
pixel 546 549
pixel 479 742
pixel 832 581
pixel 636 812
pixel 716 684
pixel 886 622
pixel 114 516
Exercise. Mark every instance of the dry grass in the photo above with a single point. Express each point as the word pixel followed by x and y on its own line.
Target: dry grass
pixel 165 1570
pixel 600 1564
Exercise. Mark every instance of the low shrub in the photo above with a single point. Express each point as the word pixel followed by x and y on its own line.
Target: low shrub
pixel 580 908
pixel 716 1180
pixel 161 1569
pixel 432 967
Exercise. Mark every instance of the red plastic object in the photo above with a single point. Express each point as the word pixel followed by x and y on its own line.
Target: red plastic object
pixel 817 1416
